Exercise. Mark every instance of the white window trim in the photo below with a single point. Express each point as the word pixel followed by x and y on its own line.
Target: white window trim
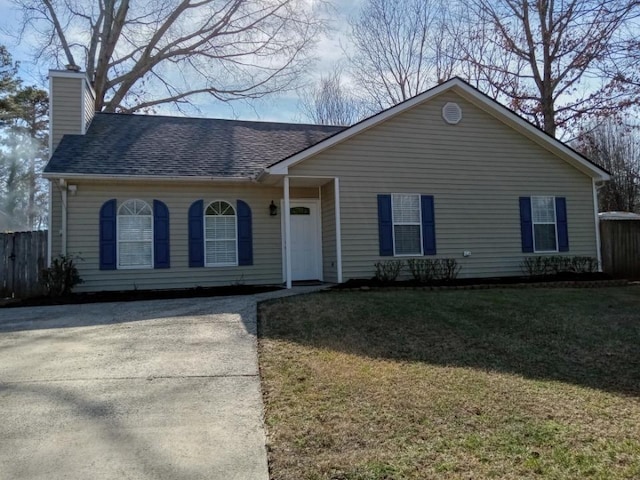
pixel 153 253
pixel 393 223
pixel 204 234
pixel 534 223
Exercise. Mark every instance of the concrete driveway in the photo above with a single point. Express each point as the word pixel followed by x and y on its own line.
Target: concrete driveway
pixel 165 389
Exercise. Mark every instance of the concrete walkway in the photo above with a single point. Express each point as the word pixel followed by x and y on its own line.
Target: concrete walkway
pixel 165 389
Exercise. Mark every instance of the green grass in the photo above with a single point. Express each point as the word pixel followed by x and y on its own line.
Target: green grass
pixel 505 384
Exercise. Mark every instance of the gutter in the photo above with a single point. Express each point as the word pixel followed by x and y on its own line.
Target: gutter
pixel 156 178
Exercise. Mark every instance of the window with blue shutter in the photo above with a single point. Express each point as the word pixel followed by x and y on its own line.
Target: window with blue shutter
pixel 108 235
pixel 196 234
pixel 385 226
pixel 161 251
pixel 526 226
pixel 561 222
pixel 543 224
pixel 245 234
pixel 428 225
pixel 406 225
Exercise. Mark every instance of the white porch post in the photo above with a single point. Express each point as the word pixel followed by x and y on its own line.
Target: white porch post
pixel 597 222
pixel 287 231
pixel 336 186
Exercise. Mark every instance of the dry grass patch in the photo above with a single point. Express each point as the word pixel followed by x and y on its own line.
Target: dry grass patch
pixel 505 384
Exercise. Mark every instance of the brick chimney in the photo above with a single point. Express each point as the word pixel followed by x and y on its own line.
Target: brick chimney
pixel 71 104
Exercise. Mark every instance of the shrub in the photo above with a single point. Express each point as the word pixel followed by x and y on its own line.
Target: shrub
pixel 60 278
pixel 557 264
pixel 388 271
pixel 583 264
pixel 535 266
pixel 423 270
pixel 449 269
pixel 426 270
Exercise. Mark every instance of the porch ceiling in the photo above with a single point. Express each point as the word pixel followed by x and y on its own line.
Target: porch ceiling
pixel 300 182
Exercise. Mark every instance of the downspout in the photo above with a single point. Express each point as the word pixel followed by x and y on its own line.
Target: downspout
pixel 50 225
pixel 63 228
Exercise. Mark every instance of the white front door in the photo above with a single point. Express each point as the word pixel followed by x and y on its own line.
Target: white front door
pixel 306 246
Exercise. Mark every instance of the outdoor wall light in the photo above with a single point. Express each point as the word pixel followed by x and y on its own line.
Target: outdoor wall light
pixel 273 209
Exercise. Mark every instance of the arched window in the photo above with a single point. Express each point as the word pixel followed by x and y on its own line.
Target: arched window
pixel 220 235
pixel 135 235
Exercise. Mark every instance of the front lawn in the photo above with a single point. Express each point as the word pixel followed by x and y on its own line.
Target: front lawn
pixel 473 384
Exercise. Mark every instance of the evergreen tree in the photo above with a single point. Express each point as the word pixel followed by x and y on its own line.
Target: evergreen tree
pixel 23 149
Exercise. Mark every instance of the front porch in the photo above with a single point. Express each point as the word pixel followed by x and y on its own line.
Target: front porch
pixel 311 229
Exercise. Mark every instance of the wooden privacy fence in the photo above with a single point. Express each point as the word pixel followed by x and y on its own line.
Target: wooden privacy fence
pixel 22 256
pixel 620 241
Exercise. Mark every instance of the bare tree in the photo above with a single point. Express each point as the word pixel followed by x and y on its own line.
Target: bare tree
pixel 616 148
pixel 553 61
pixel 143 54
pixel 330 102
pixel 401 48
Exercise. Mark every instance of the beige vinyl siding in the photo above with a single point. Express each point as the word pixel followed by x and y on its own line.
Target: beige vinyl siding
pixel 66 107
pixel 83 235
pixel 476 171
pixel 327 207
pixel 89 106
pixel 56 219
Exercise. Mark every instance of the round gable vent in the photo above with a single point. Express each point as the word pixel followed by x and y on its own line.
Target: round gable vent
pixel 452 113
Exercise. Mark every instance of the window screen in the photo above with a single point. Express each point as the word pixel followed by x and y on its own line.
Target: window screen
pixel 220 234
pixel 406 224
pixel 543 214
pixel 135 235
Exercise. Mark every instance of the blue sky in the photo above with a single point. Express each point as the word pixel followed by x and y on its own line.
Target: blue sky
pixel 283 107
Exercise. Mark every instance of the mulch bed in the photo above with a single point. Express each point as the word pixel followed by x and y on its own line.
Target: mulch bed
pixel 582 280
pixel 136 295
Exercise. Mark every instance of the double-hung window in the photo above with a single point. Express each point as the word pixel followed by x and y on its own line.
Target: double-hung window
pixel 221 246
pixel 543 216
pixel 407 231
pixel 135 235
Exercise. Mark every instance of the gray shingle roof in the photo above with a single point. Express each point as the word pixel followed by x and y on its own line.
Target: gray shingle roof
pixel 118 144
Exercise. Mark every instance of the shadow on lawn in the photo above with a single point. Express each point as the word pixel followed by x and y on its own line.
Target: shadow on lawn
pixel 588 337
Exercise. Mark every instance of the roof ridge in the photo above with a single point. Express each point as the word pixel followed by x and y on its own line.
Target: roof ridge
pixel 263 122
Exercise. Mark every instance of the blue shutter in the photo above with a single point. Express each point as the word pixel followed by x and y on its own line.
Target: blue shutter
pixel 561 224
pixel 196 234
pixel 526 225
pixel 245 235
pixel 108 232
pixel 385 226
pixel 161 251
pixel 428 225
